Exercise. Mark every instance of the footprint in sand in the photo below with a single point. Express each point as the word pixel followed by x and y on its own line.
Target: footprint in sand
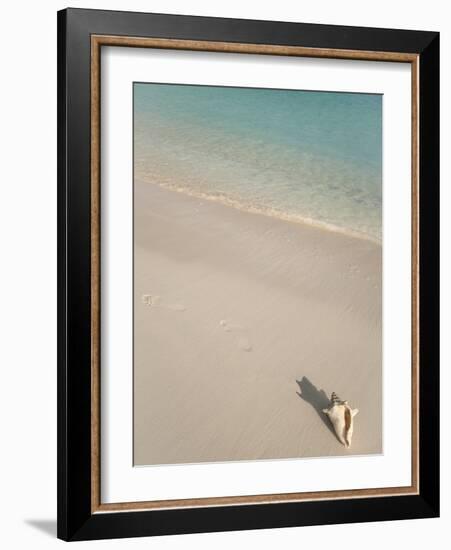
pixel 176 307
pixel 150 300
pixel 243 341
pixel 154 300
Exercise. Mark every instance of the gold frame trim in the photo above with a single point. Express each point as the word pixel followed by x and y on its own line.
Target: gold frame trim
pixel 97 41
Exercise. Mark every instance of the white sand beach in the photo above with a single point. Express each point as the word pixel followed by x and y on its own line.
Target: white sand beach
pixel 243 323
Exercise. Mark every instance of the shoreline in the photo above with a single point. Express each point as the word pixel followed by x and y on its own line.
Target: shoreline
pixel 271 213
pixel 244 325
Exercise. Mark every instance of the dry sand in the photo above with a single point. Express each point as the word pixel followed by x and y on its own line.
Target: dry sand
pixel 242 322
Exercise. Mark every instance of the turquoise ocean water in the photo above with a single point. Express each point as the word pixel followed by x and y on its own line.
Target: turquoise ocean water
pixel 310 157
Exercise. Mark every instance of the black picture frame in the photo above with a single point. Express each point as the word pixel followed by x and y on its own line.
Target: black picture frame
pixel 76 520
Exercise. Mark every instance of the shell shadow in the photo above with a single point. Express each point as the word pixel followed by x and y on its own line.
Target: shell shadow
pixel 317 399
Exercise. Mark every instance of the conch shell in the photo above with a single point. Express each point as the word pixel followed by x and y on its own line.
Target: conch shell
pixel 342 417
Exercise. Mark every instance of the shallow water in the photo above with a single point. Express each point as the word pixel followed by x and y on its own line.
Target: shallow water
pixel 314 157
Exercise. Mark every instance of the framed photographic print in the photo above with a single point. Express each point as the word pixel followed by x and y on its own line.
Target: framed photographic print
pixel 248 274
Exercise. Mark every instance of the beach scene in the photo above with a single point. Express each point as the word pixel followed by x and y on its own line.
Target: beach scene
pixel 257 274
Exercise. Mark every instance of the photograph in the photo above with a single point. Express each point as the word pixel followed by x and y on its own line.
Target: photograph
pixel 248 272
pixel 257 274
